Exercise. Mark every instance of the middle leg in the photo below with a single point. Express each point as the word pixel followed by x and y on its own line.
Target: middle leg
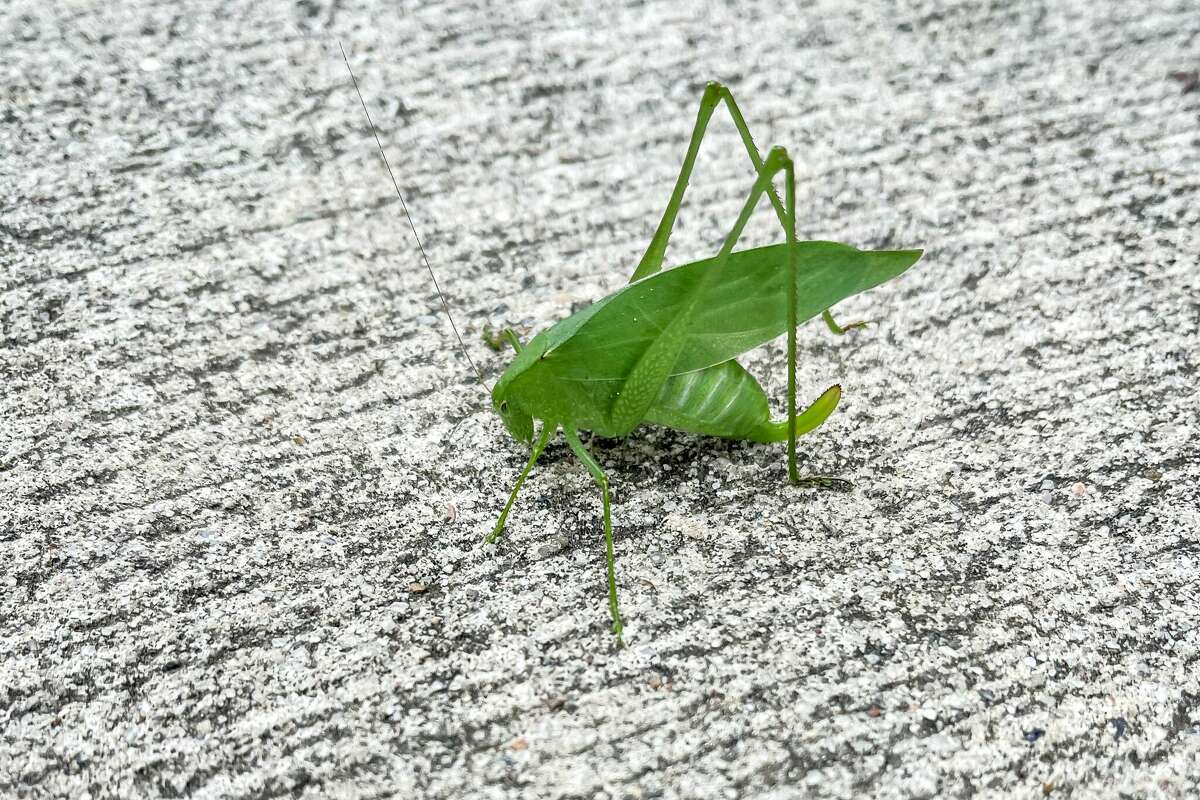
pixel 602 481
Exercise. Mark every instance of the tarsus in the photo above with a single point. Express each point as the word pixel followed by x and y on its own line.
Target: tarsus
pixel 445 307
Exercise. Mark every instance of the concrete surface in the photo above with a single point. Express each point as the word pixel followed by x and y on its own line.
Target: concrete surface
pixel 245 475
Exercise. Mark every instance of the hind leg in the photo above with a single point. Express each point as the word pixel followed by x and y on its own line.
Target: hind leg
pixel 714 94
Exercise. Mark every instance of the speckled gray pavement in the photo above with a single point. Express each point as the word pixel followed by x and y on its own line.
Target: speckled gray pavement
pixel 245 475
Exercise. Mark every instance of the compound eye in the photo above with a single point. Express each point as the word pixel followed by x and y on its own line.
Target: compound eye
pixel 504 405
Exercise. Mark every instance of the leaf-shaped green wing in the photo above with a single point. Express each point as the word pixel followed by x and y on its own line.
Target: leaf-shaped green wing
pixel 743 309
pixel 575 371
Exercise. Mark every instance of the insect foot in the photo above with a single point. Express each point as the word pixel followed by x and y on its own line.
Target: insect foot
pixel 824 482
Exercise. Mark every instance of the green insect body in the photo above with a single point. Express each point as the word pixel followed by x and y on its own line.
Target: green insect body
pixel 661 350
pixel 574 372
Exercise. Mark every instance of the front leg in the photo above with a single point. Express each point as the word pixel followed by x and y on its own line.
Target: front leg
pixel 548 430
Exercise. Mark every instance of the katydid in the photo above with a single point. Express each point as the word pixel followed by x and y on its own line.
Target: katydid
pixel 662 349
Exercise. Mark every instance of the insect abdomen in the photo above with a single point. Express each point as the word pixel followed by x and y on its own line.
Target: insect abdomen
pixel 721 400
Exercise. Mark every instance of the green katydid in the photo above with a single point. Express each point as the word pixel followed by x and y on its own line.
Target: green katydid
pixel 662 349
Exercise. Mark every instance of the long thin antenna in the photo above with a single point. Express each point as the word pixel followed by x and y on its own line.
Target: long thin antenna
pixel 461 345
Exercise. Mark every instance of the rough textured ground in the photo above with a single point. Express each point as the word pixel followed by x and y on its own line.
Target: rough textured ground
pixel 245 475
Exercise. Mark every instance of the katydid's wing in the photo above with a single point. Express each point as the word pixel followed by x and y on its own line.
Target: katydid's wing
pixel 744 308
